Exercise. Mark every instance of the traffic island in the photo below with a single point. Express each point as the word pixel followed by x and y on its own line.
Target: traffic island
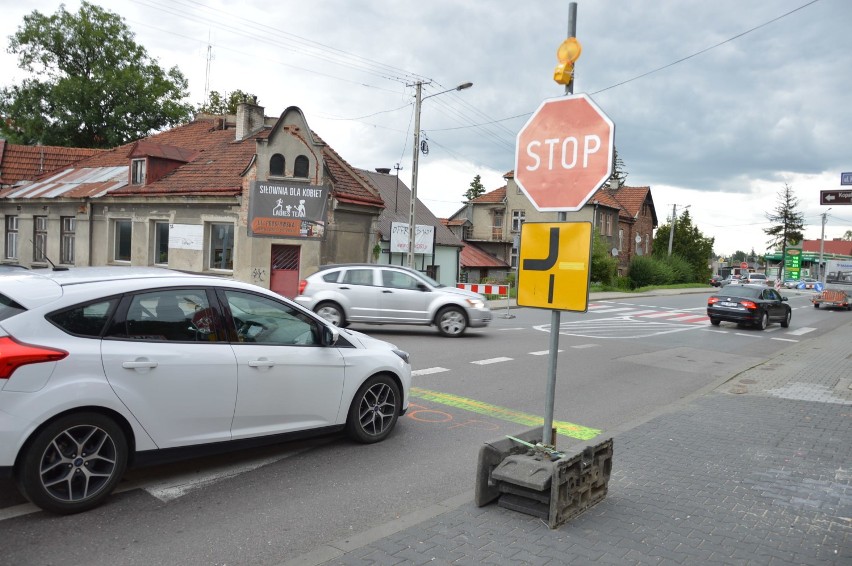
pixel 522 474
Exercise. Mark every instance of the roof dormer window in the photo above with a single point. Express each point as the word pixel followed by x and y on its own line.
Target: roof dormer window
pixel 137 172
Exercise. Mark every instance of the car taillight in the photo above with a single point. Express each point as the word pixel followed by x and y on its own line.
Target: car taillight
pixel 749 305
pixel 14 354
pixel 712 301
pixel 302 284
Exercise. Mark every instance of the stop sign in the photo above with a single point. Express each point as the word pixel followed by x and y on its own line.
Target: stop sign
pixel 743 265
pixel 564 153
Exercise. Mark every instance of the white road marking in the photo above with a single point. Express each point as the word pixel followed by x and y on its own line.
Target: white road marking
pixel 491 361
pixel 800 331
pixel 543 352
pixel 689 317
pixel 610 309
pixel 427 371
pixel 661 314
pixel 516 328
pixel 749 335
pixel 18 511
pixel 581 346
pixel 785 339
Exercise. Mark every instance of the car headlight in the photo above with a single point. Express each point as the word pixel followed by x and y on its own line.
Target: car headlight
pixel 402 354
pixel 476 303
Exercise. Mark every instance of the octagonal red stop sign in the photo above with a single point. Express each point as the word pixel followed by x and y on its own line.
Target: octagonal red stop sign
pixel 564 153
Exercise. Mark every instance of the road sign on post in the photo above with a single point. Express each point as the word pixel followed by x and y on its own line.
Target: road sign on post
pixel 843 196
pixel 564 153
pixel 553 268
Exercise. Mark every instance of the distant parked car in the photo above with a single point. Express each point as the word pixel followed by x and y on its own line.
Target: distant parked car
pixel 390 294
pixel 790 283
pixel 756 305
pixel 716 280
pixel 729 279
pixel 806 283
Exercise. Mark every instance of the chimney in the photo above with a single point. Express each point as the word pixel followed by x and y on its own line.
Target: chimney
pixel 383 170
pixel 249 118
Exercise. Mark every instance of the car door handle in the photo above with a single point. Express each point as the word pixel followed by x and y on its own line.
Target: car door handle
pixel 261 363
pixel 387 291
pixel 344 288
pixel 139 364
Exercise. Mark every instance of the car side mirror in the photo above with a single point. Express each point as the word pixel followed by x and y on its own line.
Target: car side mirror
pixel 783 298
pixel 330 334
pixel 422 287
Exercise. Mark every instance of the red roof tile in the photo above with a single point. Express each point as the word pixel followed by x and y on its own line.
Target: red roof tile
pixel 25 162
pixel 497 195
pixel 839 247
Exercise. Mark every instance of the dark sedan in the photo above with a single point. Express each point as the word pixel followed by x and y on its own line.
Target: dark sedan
pixel 756 305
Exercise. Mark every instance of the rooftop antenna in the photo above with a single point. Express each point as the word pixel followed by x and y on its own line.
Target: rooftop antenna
pixel 47 259
pixel 207 70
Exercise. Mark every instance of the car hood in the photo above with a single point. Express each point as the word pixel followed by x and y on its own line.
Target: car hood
pixel 367 342
pixel 462 293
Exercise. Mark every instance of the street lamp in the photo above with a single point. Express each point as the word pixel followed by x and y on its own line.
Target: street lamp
pixel 822 247
pixel 412 223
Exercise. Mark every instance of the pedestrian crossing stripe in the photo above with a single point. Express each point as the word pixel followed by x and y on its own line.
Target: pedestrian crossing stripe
pixel 677 316
pixel 563 428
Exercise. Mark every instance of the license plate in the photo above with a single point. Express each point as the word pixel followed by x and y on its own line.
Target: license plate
pixel 727 304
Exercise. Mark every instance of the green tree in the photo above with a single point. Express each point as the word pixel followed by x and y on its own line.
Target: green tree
pixel 618 171
pixel 787 223
pixel 604 267
pixel 739 256
pixel 476 189
pixel 90 84
pixel 847 235
pixel 221 104
pixel 688 243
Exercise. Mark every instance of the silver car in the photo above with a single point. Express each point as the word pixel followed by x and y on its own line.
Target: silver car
pixel 390 294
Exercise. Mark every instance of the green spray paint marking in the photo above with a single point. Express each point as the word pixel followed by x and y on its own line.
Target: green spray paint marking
pixel 565 429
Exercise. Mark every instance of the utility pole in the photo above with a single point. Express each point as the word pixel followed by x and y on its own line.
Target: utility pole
pixel 822 247
pixel 672 227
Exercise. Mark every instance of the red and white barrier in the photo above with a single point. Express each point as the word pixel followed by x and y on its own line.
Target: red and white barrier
pixel 484 288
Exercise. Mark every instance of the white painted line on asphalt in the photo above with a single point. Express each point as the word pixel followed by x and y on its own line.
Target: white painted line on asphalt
pixel 428 371
pixel 691 317
pixel 662 314
pixel 581 346
pixel 18 511
pixel 640 313
pixel 543 352
pixel 491 361
pixel 749 335
pixel 516 328
pixel 785 339
pixel 800 331
pixel 610 309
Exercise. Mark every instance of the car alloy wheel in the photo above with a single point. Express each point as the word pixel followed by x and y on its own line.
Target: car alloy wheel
pixel 786 322
pixel 374 410
pixel 74 463
pixel 451 322
pixel 764 321
pixel 331 312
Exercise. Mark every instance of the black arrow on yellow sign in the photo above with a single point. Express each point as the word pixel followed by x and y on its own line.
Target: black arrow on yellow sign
pixel 547 263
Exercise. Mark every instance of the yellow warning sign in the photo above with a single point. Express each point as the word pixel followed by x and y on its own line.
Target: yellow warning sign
pixel 554 262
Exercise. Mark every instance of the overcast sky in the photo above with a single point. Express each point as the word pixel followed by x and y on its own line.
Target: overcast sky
pixel 716 104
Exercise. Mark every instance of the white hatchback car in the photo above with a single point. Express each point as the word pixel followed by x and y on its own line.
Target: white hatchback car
pixel 102 368
pixel 390 294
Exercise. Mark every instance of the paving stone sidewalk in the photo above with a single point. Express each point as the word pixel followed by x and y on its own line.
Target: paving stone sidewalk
pixel 755 472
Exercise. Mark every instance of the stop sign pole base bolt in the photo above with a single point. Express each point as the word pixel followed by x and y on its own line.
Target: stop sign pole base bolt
pixel 521 474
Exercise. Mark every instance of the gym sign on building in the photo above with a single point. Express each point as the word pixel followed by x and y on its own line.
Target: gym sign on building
pixel 282 210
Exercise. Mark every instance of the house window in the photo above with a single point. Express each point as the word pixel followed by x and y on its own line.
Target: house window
pixel 11 237
pixel 300 167
pixel 68 226
pixel 518 218
pixel 647 243
pixel 221 246
pixel 137 172
pixel 609 225
pixel 621 240
pixel 601 223
pixel 122 231
pixel 276 165
pixel 513 258
pixel 161 242
pixel 497 226
pixel 39 237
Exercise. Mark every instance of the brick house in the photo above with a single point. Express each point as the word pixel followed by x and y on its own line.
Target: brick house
pixel 623 216
pixel 256 198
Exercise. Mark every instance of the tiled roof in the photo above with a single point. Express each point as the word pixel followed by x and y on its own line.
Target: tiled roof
pixel 630 199
pixel 397 198
pixel 472 256
pixel 214 165
pixel 26 162
pixel 495 196
pixel 839 247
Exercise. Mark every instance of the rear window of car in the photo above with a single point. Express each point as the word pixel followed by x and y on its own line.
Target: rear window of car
pixel 757 276
pixel 331 276
pixel 9 308
pixel 84 320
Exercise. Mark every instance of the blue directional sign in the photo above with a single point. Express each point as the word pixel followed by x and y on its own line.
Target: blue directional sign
pixel 846 178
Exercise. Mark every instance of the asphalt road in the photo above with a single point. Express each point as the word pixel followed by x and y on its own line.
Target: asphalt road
pixel 619 362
